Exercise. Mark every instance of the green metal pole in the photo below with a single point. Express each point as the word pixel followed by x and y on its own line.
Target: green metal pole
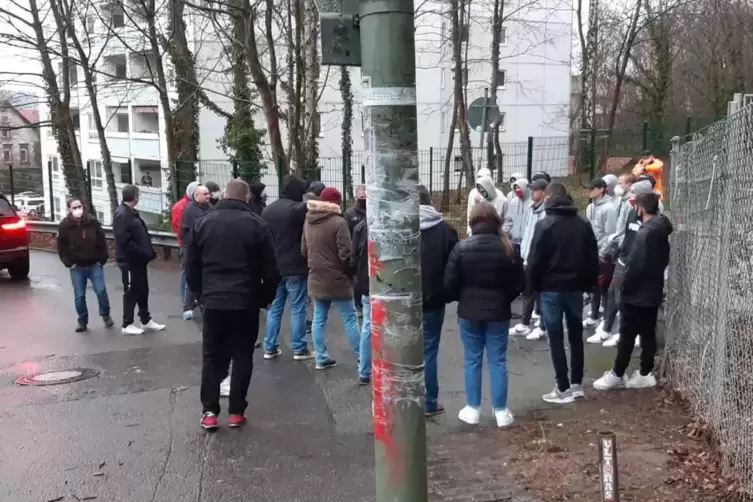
pixel 389 100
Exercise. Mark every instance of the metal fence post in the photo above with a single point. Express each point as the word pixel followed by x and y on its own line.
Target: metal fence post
pixel 644 144
pixel 529 159
pixel 431 169
pixel 235 169
pixel 51 209
pixel 592 156
pixel 346 193
pixel 363 174
pixel 688 126
pixel 89 186
pixel 12 185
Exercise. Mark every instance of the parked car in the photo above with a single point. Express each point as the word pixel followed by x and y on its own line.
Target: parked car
pixel 29 207
pixel 14 241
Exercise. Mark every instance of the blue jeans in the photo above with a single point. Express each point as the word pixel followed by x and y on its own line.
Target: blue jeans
pixel 553 306
pixel 364 367
pixel 350 322
pixel 79 278
pixel 294 288
pixel 433 320
pixel 493 335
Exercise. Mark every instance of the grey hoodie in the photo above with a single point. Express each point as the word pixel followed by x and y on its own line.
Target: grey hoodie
pixel 511 193
pixel 533 215
pixel 603 218
pixel 429 217
pixel 517 211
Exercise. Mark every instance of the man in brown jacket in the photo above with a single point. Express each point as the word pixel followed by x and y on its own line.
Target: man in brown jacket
pixel 326 245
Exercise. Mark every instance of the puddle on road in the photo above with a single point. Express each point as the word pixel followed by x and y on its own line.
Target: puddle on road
pixel 45 284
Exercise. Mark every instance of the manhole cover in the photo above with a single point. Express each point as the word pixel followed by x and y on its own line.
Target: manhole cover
pixel 58 377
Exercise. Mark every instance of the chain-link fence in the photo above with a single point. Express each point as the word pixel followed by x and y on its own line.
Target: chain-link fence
pixel 709 351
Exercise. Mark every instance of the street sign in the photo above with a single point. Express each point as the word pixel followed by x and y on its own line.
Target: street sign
pixel 476 114
pixel 340 34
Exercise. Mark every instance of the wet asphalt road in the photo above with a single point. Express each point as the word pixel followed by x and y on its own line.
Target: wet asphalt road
pixel 132 432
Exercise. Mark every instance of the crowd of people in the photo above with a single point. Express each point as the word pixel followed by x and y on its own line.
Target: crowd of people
pixel 240 255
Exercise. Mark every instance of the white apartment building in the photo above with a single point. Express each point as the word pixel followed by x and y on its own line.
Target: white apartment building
pixel 533 96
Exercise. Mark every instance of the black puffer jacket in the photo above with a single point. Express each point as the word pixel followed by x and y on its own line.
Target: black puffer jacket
pixel 643 283
pixel 482 277
pixel 133 244
pixel 193 213
pixel 285 217
pixel 355 215
pixel 438 239
pixel 81 242
pixel 359 259
pixel 564 256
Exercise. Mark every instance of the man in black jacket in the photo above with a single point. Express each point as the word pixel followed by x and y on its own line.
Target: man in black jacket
pixel 83 249
pixel 231 266
pixel 359 263
pixel 354 216
pixel 641 295
pixel 258 198
pixel 563 263
pixel 194 211
pixel 285 218
pixel 438 239
pixel 133 251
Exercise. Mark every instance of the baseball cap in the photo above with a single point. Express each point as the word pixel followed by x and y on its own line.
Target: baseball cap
pixel 539 184
pixel 596 183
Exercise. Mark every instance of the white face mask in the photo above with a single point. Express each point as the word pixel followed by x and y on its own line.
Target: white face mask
pixel 78 212
pixel 619 191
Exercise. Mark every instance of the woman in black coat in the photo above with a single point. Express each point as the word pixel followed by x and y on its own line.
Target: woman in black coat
pixel 485 275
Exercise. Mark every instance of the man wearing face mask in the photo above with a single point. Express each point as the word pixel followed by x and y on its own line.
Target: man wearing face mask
pixel 603 218
pixel 517 211
pixel 486 191
pixel 515 177
pixel 83 249
pixel 197 208
pixel 214 192
pixel 642 293
pixel 623 208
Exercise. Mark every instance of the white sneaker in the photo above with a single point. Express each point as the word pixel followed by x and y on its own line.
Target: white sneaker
pixel 187 315
pixel 638 381
pixel 535 316
pixel 637 342
pixel 152 326
pixel 520 330
pixel 588 322
pixel 612 340
pixel 536 334
pixel 577 391
pixel 470 415
pixel 225 387
pixel 537 324
pixel 609 381
pixel 557 397
pixel 504 417
pixel 599 336
pixel 132 329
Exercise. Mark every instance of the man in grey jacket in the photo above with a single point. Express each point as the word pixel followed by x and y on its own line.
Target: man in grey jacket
pixel 602 215
pixel 534 213
pixel 622 208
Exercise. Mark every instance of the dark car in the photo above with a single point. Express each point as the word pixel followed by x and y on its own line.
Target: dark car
pixel 14 241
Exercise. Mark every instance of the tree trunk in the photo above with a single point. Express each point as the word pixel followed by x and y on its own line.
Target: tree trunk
pixel 311 31
pixel 346 92
pixel 461 64
pixel 492 139
pixel 445 204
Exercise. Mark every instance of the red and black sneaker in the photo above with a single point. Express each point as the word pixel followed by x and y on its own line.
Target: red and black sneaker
pixel 209 421
pixel 236 420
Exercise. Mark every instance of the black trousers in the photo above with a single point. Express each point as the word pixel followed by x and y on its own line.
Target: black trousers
pixel 228 334
pixel 636 321
pixel 613 297
pixel 135 292
pixel 530 299
pixel 606 269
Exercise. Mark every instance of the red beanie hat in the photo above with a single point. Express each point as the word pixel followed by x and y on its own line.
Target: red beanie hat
pixel 331 194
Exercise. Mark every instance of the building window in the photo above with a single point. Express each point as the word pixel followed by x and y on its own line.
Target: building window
pixel 7 153
pixel 458 161
pixel 503 36
pixel 96 173
pixel 90 24
pixel 502 122
pixel 5 133
pixel 4 111
pixel 443 119
pixel 73 74
pixel 465 31
pixel 100 216
pixel 501 79
pixel 53 162
pixel 23 150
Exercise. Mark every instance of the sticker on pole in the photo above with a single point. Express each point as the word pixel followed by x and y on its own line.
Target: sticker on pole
pixel 58 377
pixel 389 96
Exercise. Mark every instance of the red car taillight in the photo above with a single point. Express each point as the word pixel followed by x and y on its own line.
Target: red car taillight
pixel 17 225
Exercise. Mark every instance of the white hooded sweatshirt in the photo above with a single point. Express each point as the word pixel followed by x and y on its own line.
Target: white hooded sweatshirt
pixel 517 210
pixel 511 193
pixel 486 191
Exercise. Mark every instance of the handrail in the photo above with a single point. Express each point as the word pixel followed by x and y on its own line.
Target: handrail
pixel 164 239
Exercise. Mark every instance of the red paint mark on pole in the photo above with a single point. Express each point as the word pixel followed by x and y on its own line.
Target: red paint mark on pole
pixel 383 430
pixel 375 266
